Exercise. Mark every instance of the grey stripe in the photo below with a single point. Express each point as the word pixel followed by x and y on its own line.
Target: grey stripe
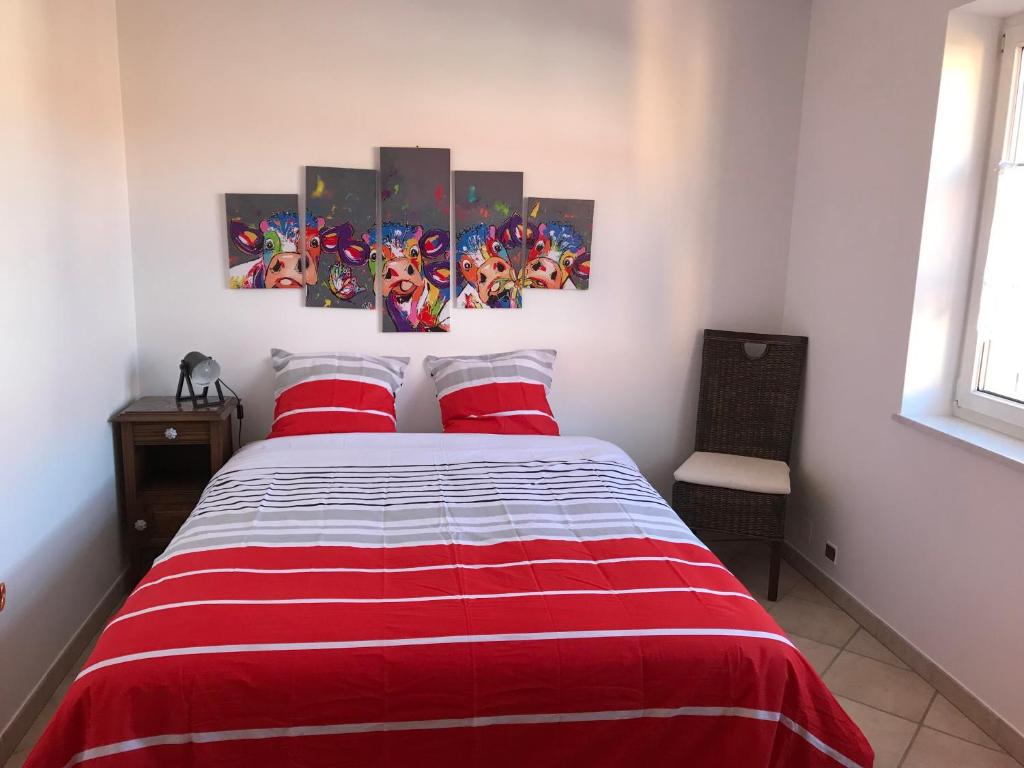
pixel 545 357
pixel 397 365
pixel 467 375
pixel 475 515
pixel 555 533
pixel 290 377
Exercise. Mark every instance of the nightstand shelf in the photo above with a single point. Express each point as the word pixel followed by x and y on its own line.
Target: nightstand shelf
pixel 166 454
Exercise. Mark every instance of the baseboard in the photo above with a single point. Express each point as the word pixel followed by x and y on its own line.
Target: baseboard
pixel 16 729
pixel 1004 734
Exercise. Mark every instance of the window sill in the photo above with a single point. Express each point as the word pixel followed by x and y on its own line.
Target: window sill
pixel 981 440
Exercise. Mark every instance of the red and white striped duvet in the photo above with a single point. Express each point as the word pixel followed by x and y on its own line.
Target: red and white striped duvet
pixel 442 600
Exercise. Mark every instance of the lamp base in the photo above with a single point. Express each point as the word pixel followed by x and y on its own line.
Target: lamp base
pixel 201 400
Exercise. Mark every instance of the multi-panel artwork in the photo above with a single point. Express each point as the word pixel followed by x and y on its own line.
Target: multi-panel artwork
pixel 488 239
pixel 341 223
pixel 264 239
pixel 558 243
pixel 365 233
pixel 413 253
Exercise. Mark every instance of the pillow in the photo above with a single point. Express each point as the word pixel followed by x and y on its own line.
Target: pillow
pixel 325 393
pixel 503 394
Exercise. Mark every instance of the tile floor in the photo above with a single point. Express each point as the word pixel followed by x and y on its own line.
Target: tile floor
pixel 907 722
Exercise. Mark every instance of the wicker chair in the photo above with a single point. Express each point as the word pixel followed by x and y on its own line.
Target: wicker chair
pixel 737 481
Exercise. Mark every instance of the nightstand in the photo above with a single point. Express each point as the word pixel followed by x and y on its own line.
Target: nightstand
pixel 166 454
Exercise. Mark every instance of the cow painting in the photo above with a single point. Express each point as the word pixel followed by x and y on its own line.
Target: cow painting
pixel 273 246
pixel 555 254
pixel 486 271
pixel 335 250
pixel 415 275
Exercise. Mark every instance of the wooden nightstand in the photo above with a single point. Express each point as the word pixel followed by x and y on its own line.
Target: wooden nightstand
pixel 166 454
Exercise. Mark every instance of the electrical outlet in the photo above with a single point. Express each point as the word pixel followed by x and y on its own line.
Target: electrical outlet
pixel 3 594
pixel 831 553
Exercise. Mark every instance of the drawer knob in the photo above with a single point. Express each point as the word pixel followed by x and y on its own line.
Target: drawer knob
pixel 170 433
pixel 140 525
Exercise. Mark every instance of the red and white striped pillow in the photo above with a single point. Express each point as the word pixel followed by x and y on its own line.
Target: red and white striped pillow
pixel 325 393
pixel 503 394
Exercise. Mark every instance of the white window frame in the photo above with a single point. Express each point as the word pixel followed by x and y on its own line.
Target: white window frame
pixel 970 403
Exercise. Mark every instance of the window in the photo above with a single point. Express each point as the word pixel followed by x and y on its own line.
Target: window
pixel 990 389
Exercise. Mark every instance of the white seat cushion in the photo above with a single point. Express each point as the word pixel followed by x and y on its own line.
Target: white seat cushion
pixel 741 473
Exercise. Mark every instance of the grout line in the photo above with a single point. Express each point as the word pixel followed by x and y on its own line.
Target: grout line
pixel 917 731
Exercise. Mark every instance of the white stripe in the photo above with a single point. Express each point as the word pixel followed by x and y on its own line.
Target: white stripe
pixel 335 408
pixel 511 413
pixel 426 598
pixel 338 377
pixel 688 539
pixel 439 567
pixel 340 729
pixel 483 381
pixel 397 642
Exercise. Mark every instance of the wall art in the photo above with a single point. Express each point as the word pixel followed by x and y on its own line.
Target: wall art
pixel 489 254
pixel 263 242
pixel 558 233
pixel 341 222
pixel 413 253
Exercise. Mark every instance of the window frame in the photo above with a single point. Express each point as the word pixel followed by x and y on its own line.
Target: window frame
pixel 970 403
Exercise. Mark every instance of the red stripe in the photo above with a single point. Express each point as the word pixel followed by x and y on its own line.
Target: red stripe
pixel 336 392
pixel 330 422
pixel 469 409
pixel 402 557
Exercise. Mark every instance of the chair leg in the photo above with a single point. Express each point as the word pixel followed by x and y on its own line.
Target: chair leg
pixel 773 573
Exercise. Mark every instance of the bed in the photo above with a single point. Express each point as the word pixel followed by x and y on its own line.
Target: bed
pixel 442 600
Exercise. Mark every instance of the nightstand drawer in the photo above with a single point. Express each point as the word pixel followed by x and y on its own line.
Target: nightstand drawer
pixel 171 433
pixel 161 515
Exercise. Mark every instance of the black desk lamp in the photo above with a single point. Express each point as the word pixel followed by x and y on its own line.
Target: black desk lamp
pixel 198 370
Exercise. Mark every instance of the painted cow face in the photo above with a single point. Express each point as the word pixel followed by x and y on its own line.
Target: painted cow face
pixel 410 259
pixel 555 252
pixel 276 243
pixel 484 263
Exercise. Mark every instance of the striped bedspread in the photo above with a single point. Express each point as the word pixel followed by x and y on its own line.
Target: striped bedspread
pixel 442 600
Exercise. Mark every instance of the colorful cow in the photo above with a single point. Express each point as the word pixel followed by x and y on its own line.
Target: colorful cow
pixel 415 275
pixel 487 275
pixel 275 245
pixel 556 257
pixel 337 241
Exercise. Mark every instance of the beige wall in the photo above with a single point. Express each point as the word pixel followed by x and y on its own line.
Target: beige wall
pixel 67 311
pixel 929 533
pixel 679 118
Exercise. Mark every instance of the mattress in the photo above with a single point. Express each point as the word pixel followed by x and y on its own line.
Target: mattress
pixel 442 600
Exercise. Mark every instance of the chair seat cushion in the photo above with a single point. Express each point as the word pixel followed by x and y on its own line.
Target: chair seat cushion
pixel 741 473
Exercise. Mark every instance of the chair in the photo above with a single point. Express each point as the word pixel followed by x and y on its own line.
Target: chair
pixel 737 481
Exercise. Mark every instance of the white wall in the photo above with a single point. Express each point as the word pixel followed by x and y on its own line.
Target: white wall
pixel 679 118
pixel 67 310
pixel 928 533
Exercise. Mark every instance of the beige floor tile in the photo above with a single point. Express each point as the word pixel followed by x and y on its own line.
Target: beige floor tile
pixel 943 716
pixel 883 686
pixel 819 654
pixel 888 735
pixel 864 644
pixel 932 749
pixel 817 622
pixel 807 591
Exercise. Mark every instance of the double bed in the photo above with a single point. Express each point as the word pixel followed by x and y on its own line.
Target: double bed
pixel 442 600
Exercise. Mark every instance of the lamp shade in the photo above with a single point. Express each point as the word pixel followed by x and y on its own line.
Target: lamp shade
pixel 202 369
